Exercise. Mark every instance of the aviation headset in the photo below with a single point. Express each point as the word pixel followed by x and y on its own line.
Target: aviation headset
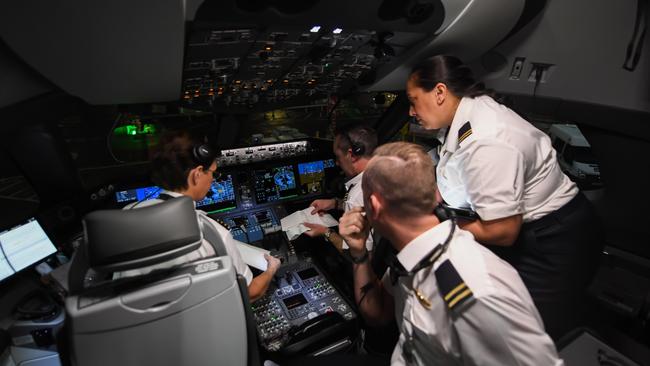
pixel 358 149
pixel 203 155
pixel 445 212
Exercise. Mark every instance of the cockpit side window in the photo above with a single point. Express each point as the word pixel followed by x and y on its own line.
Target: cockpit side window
pixel 17 197
pixel 315 119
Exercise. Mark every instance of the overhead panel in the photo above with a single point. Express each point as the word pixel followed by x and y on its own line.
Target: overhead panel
pixel 149 51
pixel 248 67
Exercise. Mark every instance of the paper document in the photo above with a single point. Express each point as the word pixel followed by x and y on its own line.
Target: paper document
pixel 252 255
pixel 293 226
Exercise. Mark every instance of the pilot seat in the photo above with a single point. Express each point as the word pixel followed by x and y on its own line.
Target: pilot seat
pixel 193 314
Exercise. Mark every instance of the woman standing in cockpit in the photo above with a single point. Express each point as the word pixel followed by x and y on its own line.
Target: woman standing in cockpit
pixel 496 163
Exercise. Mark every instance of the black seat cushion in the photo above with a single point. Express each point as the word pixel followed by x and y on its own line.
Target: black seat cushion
pixel 119 240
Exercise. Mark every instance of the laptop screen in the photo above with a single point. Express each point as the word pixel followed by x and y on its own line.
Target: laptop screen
pixel 23 246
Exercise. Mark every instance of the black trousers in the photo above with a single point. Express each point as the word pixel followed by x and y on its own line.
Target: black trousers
pixel 556 257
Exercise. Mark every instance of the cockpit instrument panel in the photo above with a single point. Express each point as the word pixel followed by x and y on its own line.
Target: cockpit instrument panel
pixel 275 184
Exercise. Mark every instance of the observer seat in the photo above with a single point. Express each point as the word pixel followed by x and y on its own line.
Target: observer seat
pixel 194 314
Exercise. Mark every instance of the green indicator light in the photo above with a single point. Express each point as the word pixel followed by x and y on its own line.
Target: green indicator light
pixel 135 130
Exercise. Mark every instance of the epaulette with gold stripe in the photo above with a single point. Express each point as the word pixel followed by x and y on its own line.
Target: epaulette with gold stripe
pixel 452 287
pixel 464 132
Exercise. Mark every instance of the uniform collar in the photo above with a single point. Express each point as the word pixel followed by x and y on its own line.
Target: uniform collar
pixel 460 118
pixel 418 248
pixel 353 181
pixel 442 135
pixel 171 193
pixel 174 194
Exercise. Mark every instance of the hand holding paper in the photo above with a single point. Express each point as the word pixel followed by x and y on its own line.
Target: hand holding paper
pixel 293 224
pixel 253 256
pixel 315 230
pixel 321 207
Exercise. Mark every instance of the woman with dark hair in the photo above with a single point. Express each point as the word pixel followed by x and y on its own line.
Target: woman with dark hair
pixel 496 163
pixel 185 166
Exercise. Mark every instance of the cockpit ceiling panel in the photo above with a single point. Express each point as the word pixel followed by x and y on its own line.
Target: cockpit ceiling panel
pixel 251 67
pixel 263 54
pixel 248 54
pixel 419 16
pixel 123 51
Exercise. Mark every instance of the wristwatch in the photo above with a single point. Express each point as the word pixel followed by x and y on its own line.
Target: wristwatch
pixel 327 234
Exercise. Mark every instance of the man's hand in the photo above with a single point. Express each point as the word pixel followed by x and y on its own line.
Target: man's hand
pixel 315 230
pixel 354 228
pixel 273 264
pixel 322 206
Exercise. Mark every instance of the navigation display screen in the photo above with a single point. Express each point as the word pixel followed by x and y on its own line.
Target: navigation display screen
pixel 275 184
pixel 23 246
pixel 222 194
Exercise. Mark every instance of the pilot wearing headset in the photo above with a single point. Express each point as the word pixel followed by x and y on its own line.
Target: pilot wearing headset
pixel 455 301
pixel 353 147
pixel 182 166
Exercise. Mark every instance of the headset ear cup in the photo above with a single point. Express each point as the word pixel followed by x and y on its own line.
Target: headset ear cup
pixel 196 154
pixel 203 154
pixel 358 149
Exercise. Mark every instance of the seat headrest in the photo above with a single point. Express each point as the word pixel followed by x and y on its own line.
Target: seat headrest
pixel 119 240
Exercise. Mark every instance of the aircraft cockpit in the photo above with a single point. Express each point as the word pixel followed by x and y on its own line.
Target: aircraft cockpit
pixel 90 90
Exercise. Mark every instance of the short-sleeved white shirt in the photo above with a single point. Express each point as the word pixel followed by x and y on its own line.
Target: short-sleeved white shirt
pixel 354 198
pixel 504 166
pixel 498 326
pixel 204 251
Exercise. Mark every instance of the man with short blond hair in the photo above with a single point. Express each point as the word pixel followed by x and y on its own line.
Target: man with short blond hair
pixel 455 302
pixel 407 193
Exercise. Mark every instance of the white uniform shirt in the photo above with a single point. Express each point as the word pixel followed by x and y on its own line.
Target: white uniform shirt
pixel 354 198
pixel 499 326
pixel 505 166
pixel 204 251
